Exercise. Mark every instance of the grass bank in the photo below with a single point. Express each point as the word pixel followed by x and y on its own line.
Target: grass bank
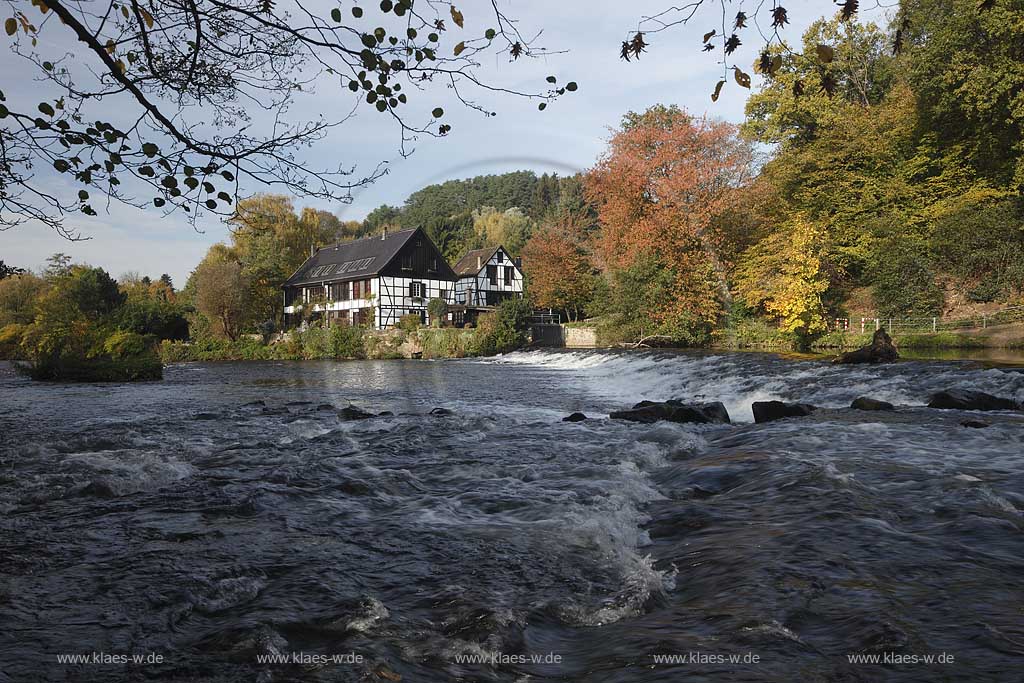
pixel 345 343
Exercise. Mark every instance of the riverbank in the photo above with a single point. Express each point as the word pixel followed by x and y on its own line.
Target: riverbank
pixel 759 336
pixel 338 343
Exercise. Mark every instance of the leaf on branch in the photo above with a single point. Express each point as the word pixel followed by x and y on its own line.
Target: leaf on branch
pixel 826 53
pixel 146 17
pixel 732 44
pixel 516 51
pixel 336 15
pixel 46 108
pixel 708 47
pixel 828 85
pixel 741 21
pixel 779 17
pixel 742 78
pixel 459 48
pixel 11 26
pixel 571 86
pixel 798 88
pixel 438 113
pixel 718 91
pixel 637 45
pixel 848 8
pixel 709 35
pixel 624 52
pixel 457 17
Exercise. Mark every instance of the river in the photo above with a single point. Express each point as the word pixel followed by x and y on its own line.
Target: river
pixel 226 524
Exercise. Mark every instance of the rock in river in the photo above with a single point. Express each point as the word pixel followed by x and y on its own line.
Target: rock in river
pixel 353 413
pixel 575 417
pixel 767 411
pixel 865 403
pixel 674 410
pixel 880 350
pixel 962 399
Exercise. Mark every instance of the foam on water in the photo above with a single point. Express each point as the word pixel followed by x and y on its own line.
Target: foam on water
pixel 740 379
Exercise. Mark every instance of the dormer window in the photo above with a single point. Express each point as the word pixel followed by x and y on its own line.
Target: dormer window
pixel 501 256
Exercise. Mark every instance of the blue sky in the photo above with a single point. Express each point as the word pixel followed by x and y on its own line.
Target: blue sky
pixel 565 138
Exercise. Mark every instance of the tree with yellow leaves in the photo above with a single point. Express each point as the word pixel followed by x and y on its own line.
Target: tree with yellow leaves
pixel 785 275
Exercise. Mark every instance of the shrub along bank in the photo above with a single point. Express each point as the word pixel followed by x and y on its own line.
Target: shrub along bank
pixel 502 331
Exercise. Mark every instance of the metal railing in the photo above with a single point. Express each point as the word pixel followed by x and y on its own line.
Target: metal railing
pixel 539 318
pixel 1010 314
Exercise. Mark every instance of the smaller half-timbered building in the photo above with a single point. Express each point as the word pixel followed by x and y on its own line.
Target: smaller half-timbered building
pixel 372 281
pixel 486 277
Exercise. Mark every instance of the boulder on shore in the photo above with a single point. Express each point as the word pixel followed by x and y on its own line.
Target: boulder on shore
pixel 674 410
pixel 880 350
pixel 962 399
pixel 865 403
pixel 575 417
pixel 768 411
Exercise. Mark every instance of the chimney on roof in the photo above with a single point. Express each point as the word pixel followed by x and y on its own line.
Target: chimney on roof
pixel 479 262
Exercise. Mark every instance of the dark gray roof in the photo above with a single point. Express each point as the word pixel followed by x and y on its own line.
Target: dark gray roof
pixel 468 264
pixel 350 260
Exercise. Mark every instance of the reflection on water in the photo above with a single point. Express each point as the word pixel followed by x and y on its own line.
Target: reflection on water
pixel 228 515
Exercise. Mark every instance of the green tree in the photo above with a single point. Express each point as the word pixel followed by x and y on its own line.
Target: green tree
pixel 223 296
pixel 18 295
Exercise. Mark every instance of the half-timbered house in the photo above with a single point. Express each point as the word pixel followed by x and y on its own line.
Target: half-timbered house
pixel 486 277
pixel 372 281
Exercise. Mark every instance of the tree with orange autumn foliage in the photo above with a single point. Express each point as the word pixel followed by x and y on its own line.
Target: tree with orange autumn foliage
pixel 559 272
pixel 664 179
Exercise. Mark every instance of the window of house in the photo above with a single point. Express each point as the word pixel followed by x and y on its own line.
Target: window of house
pixel 357 289
pixel 366 288
pixel 344 291
pixel 406 261
pixel 417 289
pixel 443 294
pixel 510 275
pixel 492 298
pixel 433 264
pixel 501 256
pixel 492 274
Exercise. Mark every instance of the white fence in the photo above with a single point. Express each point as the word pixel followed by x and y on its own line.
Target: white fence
pixel 1010 314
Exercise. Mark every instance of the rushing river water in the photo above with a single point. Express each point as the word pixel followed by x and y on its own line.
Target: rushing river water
pixel 183 522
